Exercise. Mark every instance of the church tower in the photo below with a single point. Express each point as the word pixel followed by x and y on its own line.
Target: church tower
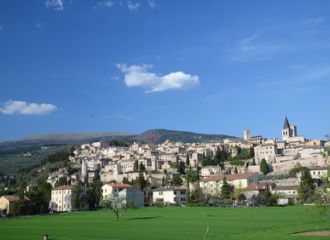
pixel 287 130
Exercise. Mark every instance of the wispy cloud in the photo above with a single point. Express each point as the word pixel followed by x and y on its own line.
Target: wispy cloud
pixel 133 6
pixel 152 3
pixel 25 108
pixel 314 21
pixel 254 47
pixel 306 75
pixel 57 5
pixel 140 76
pixel 1 27
pixel 106 3
pixel 38 25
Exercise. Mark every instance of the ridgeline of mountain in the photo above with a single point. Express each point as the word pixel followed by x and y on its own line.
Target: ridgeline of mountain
pixel 30 151
pixel 149 136
pixel 37 141
pixel 161 135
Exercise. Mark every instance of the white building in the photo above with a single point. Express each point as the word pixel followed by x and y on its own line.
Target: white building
pixel 131 196
pixel 212 185
pixel 210 170
pixel 318 172
pixel 169 195
pixel 265 151
pixel 61 199
pixel 286 191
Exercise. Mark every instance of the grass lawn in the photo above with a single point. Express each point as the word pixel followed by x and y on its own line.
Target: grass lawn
pixel 170 224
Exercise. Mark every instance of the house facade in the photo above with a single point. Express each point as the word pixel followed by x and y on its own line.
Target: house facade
pixel 169 195
pixel 61 199
pixel 212 185
pixel 131 196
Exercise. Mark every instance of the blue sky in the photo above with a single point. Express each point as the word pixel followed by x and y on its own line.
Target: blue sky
pixel 203 66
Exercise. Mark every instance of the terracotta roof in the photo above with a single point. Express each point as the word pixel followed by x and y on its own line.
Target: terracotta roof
pixel 230 177
pixel 14 198
pixel 64 187
pixel 254 187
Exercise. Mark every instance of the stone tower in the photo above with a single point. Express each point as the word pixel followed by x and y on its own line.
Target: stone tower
pixel 287 130
pixel 247 134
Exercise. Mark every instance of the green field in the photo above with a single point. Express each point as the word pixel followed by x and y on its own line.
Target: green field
pixel 169 224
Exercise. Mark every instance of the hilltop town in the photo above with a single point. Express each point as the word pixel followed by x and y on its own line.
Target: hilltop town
pixel 235 171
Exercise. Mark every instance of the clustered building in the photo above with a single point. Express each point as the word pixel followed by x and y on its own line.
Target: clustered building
pixel 117 164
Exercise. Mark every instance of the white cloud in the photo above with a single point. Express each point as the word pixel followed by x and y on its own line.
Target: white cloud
pixel 57 5
pixel 152 3
pixel 22 107
pixel 139 76
pixel 1 27
pixel 133 6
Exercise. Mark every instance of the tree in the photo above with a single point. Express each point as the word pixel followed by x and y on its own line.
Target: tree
pixel 197 195
pixel 207 161
pixel 191 176
pixel 116 203
pixel 220 157
pixel 142 167
pixel 225 190
pixel 140 181
pixel 177 180
pixel 264 168
pixel 181 168
pixel 187 160
pixel 197 172
pixel 61 181
pixel 252 152
pixel 78 197
pixel 238 192
pixel 253 162
pixel 136 166
pixel 95 193
pixel 39 200
pixel 125 180
pixel 297 169
pixel 306 187
pixel 322 196
pixel 266 198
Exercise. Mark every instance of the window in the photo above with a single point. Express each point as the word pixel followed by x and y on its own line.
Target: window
pixel 160 193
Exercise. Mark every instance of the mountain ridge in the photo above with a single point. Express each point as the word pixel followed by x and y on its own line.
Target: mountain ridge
pixel 75 138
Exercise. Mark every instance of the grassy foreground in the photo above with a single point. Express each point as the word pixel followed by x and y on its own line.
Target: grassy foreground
pixel 169 224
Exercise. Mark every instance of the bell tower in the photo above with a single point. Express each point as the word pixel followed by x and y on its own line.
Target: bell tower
pixel 286 130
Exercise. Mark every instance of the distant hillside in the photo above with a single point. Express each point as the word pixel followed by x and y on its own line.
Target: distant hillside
pixel 30 151
pixel 161 135
pixel 35 142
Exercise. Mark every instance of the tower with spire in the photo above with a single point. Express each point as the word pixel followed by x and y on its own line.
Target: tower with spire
pixel 288 130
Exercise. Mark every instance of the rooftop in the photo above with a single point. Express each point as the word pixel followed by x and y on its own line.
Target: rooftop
pixel 230 177
pixel 64 187
pixel 172 188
